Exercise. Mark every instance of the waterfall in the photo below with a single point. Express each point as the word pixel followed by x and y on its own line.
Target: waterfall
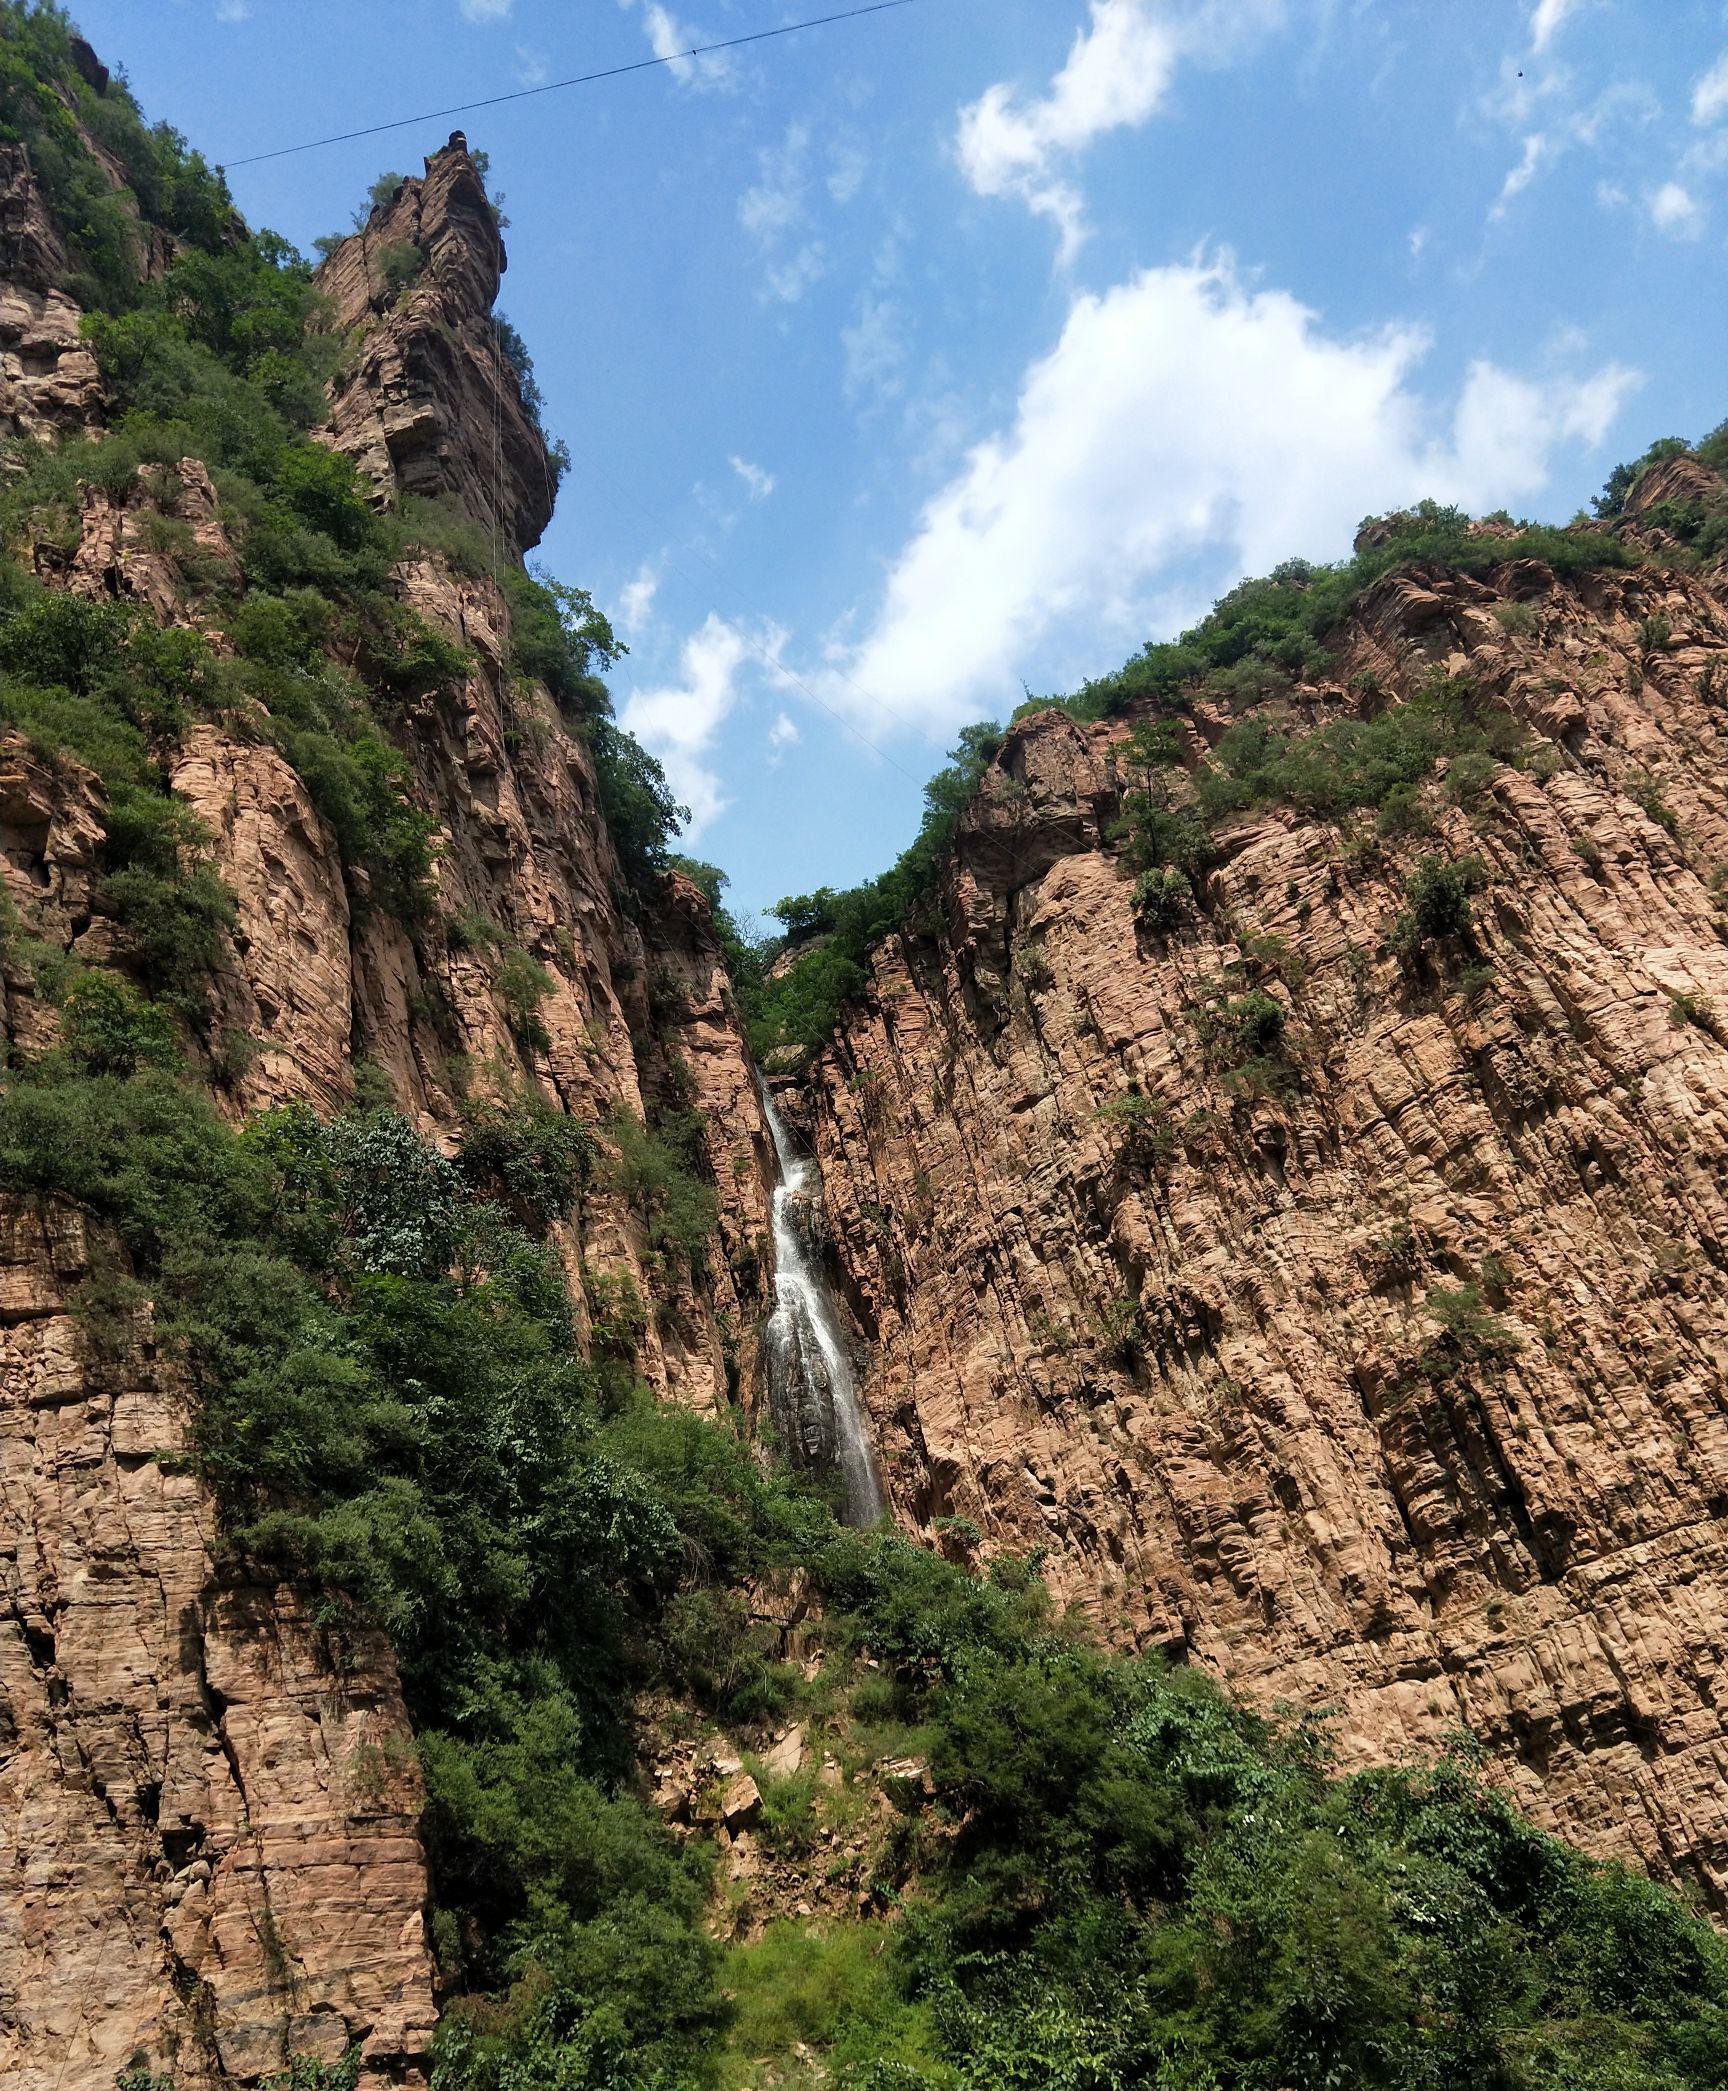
pixel 810 1378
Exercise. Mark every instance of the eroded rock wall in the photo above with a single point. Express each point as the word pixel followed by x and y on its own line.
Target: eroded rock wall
pixel 208 1806
pixel 1209 1383
pixel 432 404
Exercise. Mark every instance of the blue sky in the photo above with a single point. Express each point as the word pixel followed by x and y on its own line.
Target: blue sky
pixel 921 360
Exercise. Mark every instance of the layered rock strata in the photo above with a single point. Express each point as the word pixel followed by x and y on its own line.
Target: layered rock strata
pixel 1195 1350
pixel 209 1818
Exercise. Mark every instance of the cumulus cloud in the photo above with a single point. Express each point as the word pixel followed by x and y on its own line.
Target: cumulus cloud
pixel 681 721
pixel 233 10
pixel 673 40
pixel 485 10
pixel 1184 416
pixel 1710 95
pixel 637 601
pixel 783 734
pixel 760 483
pixel 1118 71
pixel 1546 19
pixel 1676 211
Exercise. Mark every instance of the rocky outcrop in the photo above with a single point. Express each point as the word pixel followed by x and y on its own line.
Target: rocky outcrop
pixel 1206 1351
pixel 432 403
pixel 208 1810
pixel 208 1805
pixel 48 377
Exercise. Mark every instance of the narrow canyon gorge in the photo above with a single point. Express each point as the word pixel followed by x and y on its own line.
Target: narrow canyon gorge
pixel 1318 1295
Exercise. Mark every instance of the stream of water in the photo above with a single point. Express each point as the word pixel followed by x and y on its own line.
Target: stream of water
pixel 810 1377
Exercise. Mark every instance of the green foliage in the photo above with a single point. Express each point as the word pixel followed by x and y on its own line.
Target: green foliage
pixel 108 1028
pixel 1265 633
pixel 1438 911
pixel 1127 1879
pixel 523 984
pixel 306 2074
pixel 1163 899
pixel 529 1155
pixel 1142 1129
pixel 47 103
pixel 1123 1878
pixel 1687 1006
pixel 651 1169
pixel 829 1991
pixel 399 264
pixel 1469 1337
pixel 797 1012
pixel 1611 502
pixel 558 637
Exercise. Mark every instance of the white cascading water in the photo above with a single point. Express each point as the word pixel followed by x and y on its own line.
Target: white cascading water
pixel 811 1381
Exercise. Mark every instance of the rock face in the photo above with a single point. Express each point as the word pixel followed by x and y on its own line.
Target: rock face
pixel 208 1809
pixel 1198 1354
pixel 210 1813
pixel 433 404
pixel 48 377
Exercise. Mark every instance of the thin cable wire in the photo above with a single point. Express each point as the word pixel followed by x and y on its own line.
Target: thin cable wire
pixel 611 72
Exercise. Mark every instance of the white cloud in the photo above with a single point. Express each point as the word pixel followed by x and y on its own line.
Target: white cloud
pixel 1537 148
pixel 485 10
pixel 1184 416
pixel 874 349
pixel 1710 95
pixel 775 211
pixel 637 600
pixel 776 202
pixel 759 482
pixel 1546 20
pixel 681 721
pixel 673 41
pixel 1676 211
pixel 847 167
pixel 531 68
pixel 783 734
pixel 1118 70
pixel 233 10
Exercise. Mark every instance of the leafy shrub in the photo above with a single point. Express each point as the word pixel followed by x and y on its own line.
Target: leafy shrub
pixel 399 265
pixel 1689 1007
pixel 1142 1127
pixel 1469 1336
pixel 677 1210
pixel 796 1011
pixel 528 1153
pixel 1162 900
pixel 1438 911
pixel 401 1197
pixel 108 1028
pixel 523 984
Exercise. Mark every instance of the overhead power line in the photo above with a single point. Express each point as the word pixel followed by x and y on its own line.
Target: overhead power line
pixel 611 72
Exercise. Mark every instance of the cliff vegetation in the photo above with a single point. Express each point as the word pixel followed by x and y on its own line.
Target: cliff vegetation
pixel 1051 1865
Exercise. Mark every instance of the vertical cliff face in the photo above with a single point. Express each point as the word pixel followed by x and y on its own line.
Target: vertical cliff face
pixel 431 404
pixel 211 1804
pixel 1204 1335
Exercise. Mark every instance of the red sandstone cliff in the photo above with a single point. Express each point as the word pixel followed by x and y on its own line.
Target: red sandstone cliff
pixel 208 1806
pixel 1186 1377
